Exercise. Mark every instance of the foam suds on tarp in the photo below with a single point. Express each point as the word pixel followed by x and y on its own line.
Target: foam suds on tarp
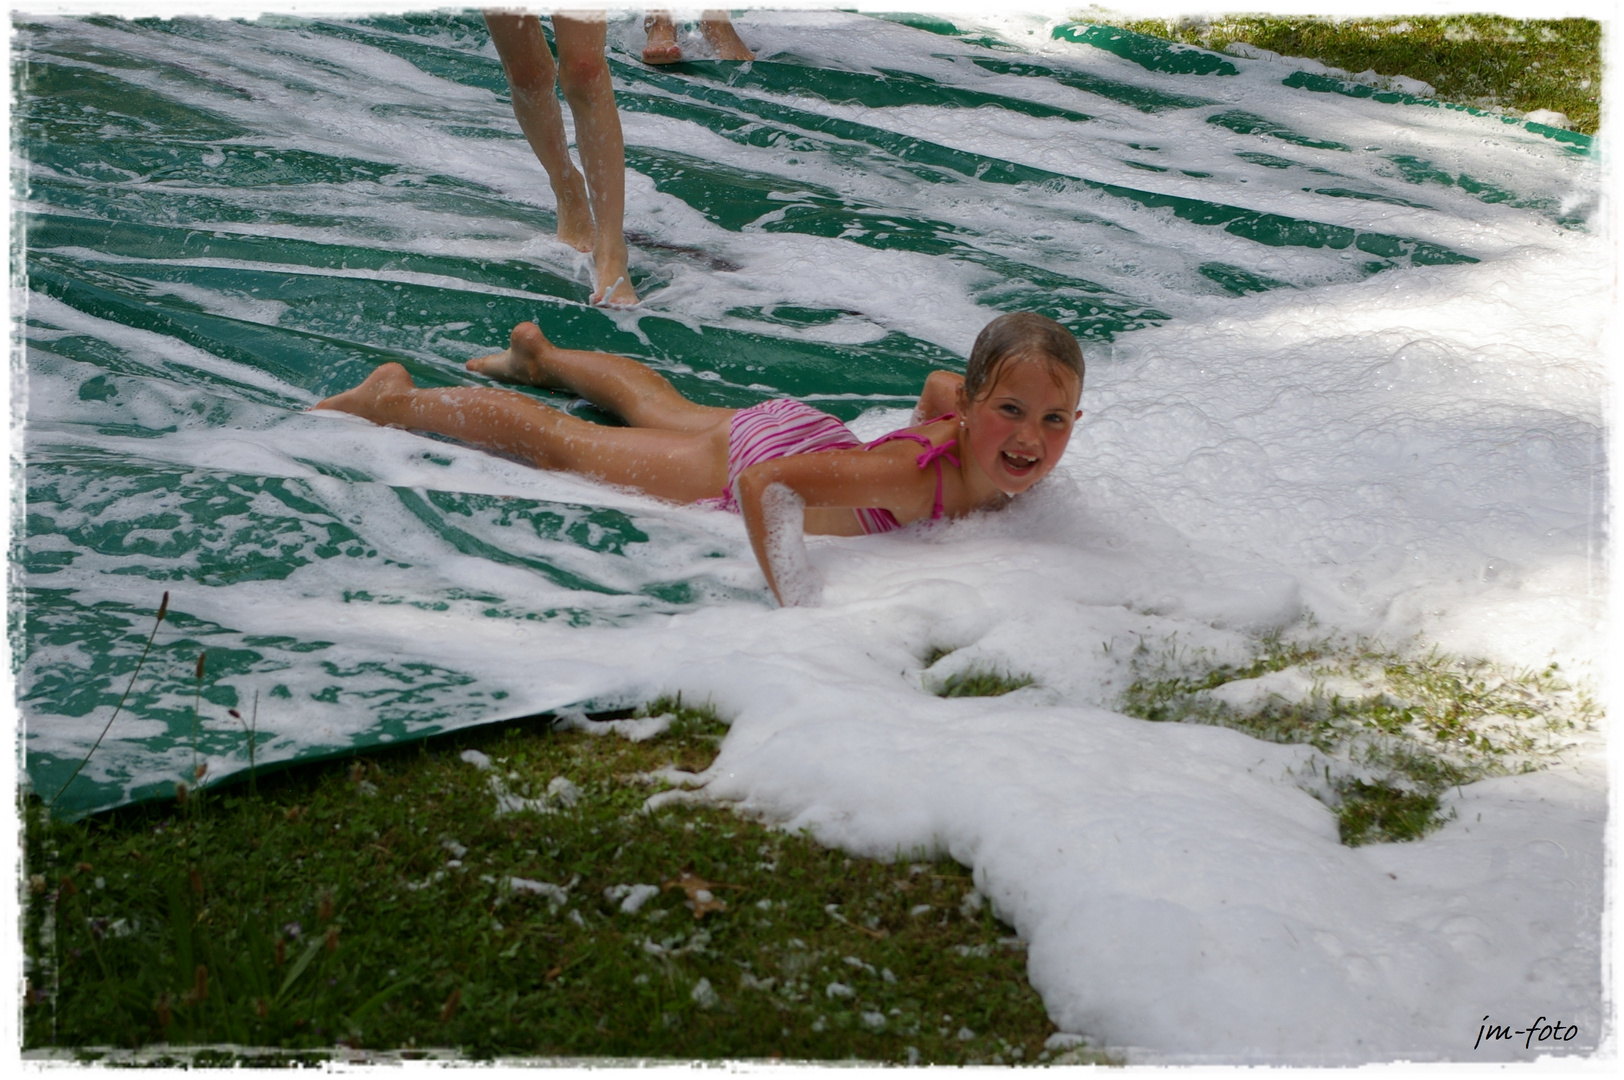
pixel 1387 413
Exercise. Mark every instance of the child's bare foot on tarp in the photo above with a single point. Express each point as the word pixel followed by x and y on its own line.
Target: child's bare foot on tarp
pixel 614 282
pixel 618 294
pixel 523 361
pixel 718 30
pixel 374 398
pixel 575 225
pixel 662 45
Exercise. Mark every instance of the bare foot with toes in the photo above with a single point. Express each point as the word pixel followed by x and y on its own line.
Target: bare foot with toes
pixel 523 361
pixel 374 398
pixel 619 294
pixel 662 45
pixel 613 282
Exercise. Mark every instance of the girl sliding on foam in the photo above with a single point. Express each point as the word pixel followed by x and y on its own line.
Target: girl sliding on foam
pixel 991 434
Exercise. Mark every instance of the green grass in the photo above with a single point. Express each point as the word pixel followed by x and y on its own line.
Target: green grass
pixel 1486 61
pixel 981 682
pixel 370 903
pixel 1408 727
pixel 1378 811
pixel 977 680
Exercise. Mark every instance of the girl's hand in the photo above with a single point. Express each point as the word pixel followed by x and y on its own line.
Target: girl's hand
pixel 782 553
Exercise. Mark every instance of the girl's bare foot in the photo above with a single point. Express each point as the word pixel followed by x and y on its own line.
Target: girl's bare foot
pixel 524 360
pixel 614 283
pixel 619 293
pixel 662 45
pixel 575 225
pixel 374 398
pixel 718 30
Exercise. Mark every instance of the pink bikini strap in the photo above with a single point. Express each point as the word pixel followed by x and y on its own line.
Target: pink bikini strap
pixel 933 455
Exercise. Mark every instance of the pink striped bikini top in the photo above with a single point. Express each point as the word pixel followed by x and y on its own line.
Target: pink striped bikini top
pixel 881 520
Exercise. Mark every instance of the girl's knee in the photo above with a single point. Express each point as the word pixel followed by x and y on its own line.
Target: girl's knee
pixel 583 76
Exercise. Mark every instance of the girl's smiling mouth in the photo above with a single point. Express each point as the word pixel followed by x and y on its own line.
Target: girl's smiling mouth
pixel 1018 464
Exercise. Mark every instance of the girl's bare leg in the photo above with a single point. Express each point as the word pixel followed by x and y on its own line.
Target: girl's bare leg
pixel 583 75
pixel 530 73
pixel 680 466
pixel 632 391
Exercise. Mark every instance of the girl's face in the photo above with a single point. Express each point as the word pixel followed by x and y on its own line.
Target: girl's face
pixel 1019 427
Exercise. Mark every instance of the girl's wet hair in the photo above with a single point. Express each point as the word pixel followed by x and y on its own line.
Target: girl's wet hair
pixel 1020 335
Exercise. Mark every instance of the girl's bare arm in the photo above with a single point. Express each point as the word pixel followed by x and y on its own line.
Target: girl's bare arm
pixel 774 495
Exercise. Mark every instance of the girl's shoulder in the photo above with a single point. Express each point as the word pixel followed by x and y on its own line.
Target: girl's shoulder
pixel 927 434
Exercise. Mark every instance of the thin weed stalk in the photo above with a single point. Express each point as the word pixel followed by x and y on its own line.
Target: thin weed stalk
pixel 250 728
pixel 198 768
pixel 163 609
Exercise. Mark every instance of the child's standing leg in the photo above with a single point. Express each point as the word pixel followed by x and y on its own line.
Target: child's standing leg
pixel 591 211
pixel 683 466
pixel 632 391
pixel 583 75
pixel 529 68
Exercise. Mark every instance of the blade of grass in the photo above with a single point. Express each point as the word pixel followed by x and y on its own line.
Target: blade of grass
pixel 298 969
pixel 365 1009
